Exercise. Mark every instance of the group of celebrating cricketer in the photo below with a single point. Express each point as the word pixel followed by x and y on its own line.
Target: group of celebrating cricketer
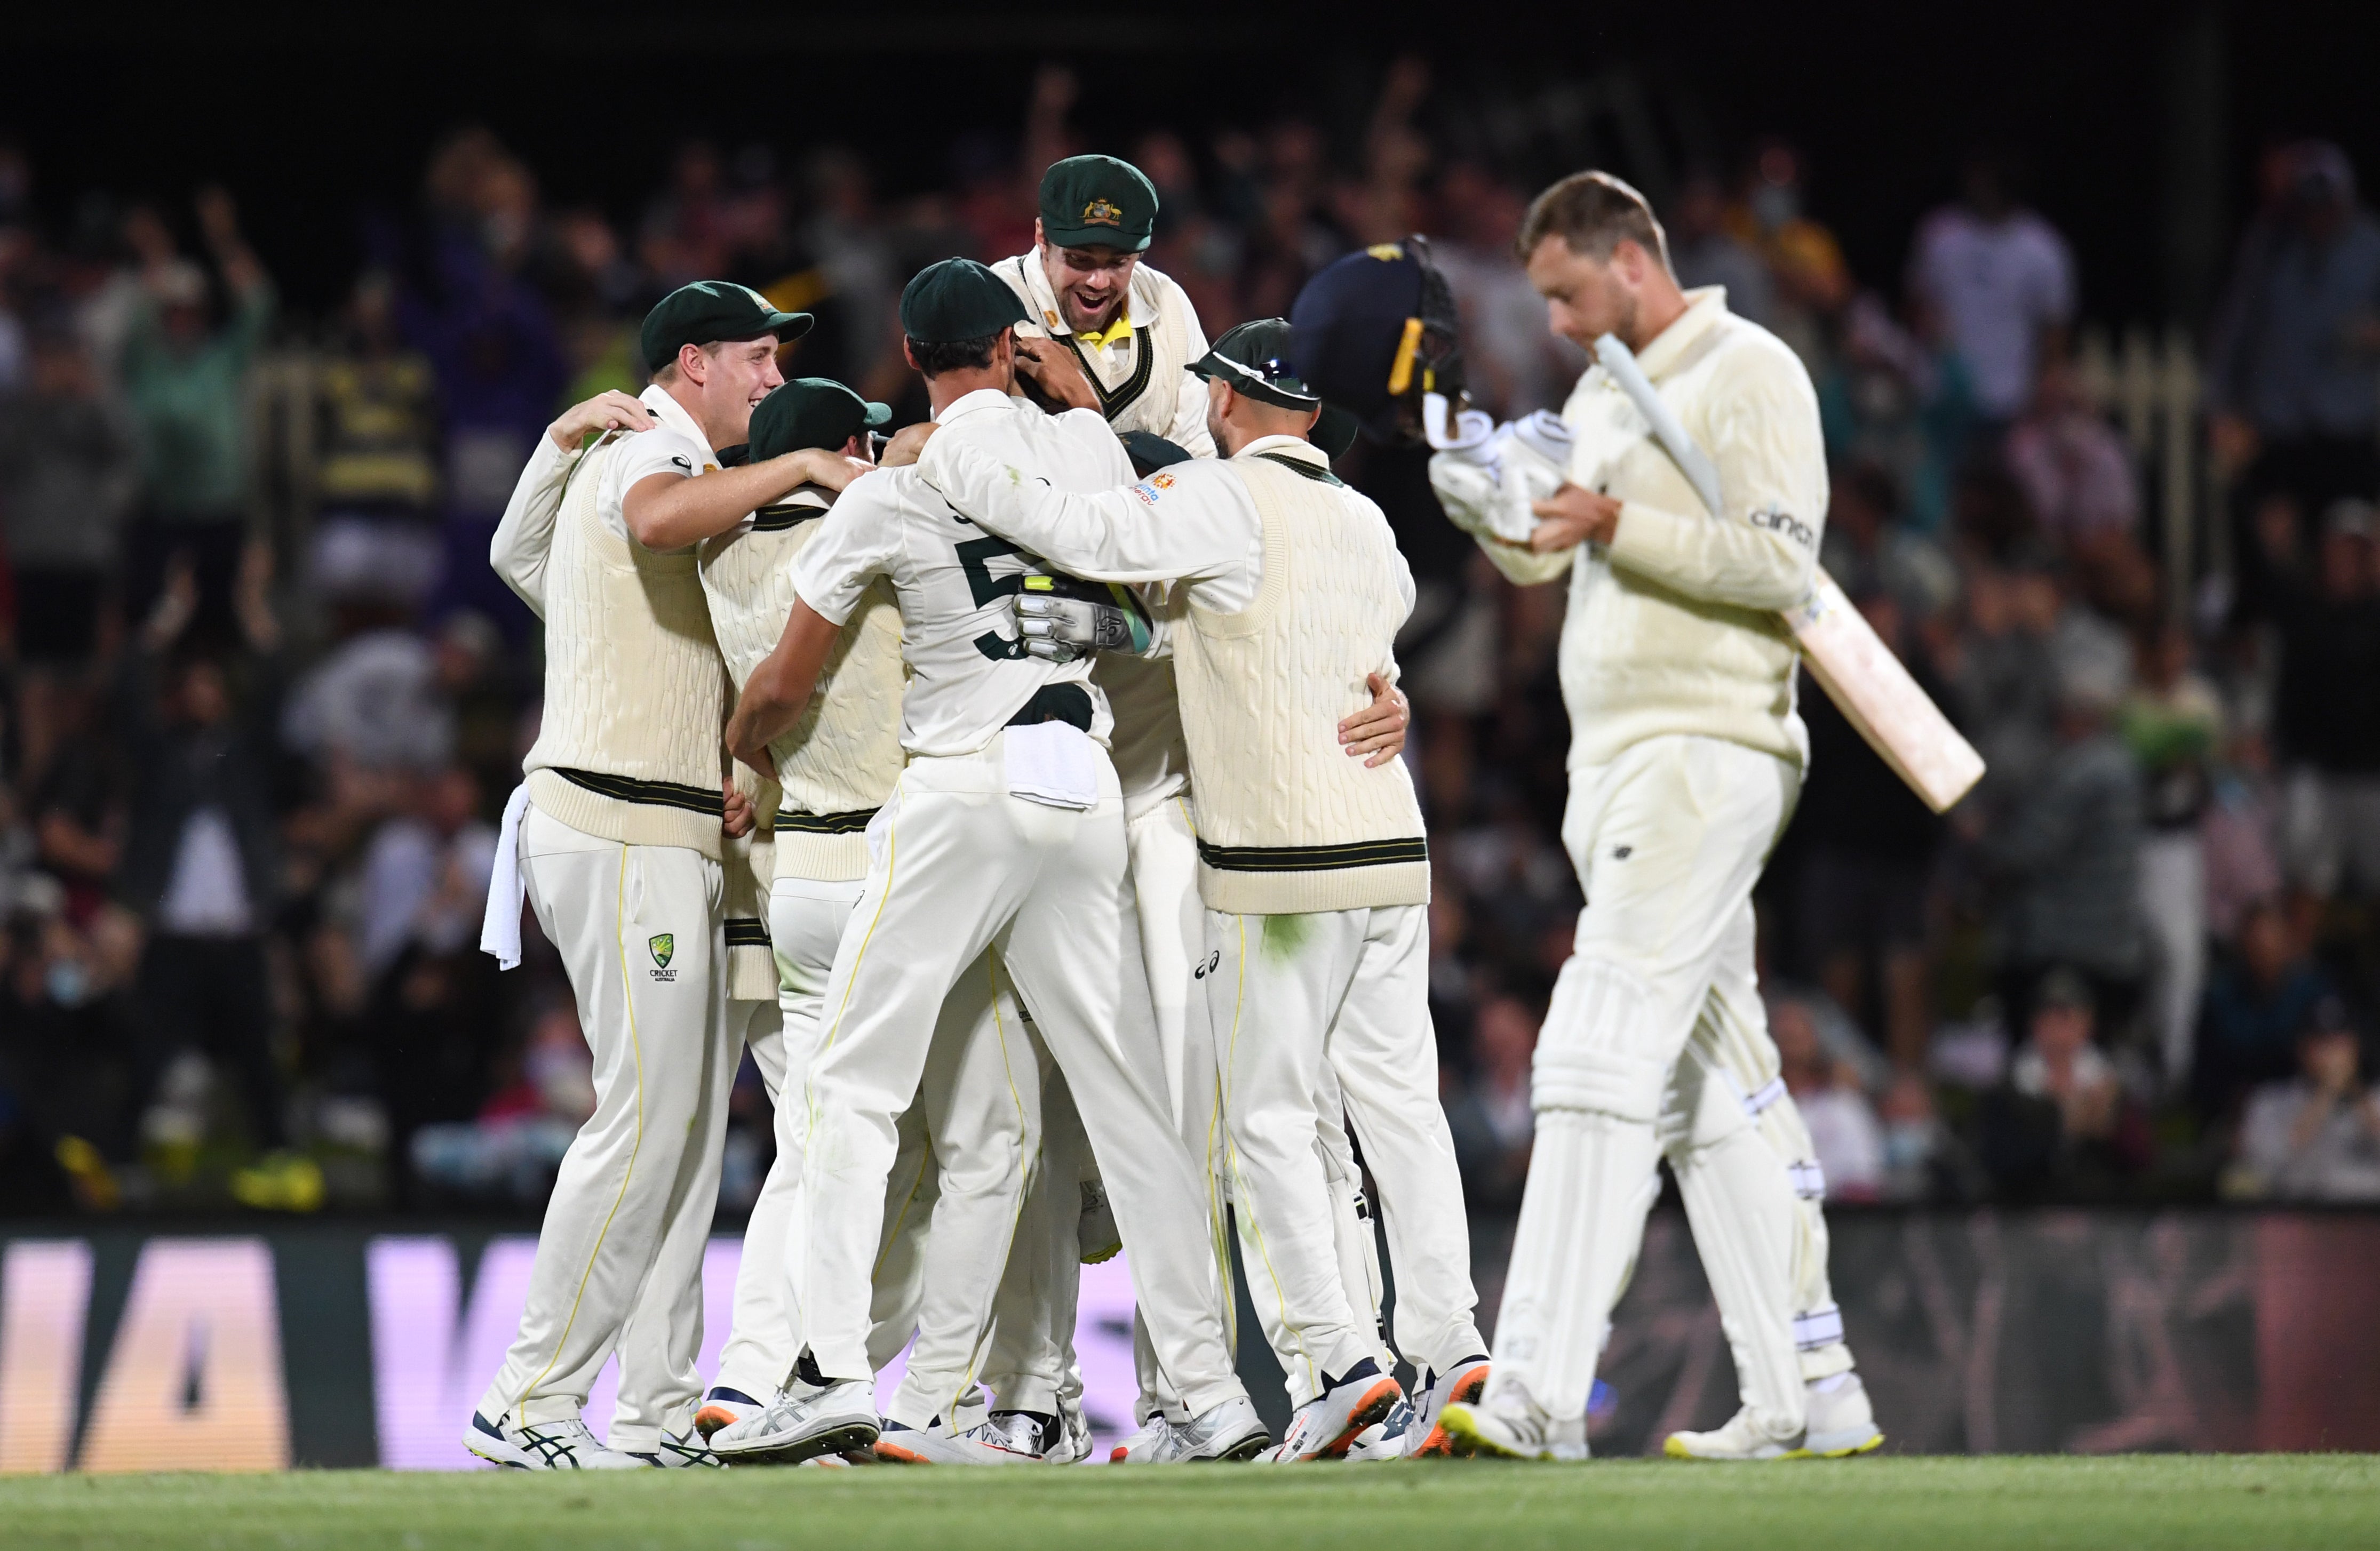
pixel 1022 792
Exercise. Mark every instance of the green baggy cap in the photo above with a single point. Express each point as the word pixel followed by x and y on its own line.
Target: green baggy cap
pixel 811 412
pixel 957 299
pixel 1098 201
pixel 713 310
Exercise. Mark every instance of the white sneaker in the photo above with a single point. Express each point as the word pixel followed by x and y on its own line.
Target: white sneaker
pixel 677 1451
pixel 1073 1444
pixel 1461 1385
pixel 1477 1430
pixel 1135 1448
pixel 1326 1425
pixel 1840 1423
pixel 566 1445
pixel 725 1408
pixel 1384 1440
pixel 1229 1431
pixel 897 1445
pixel 803 1423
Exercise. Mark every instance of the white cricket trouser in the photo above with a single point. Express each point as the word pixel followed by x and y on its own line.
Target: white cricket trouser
pixel 1656 1042
pixel 960 864
pixel 806 920
pixel 1294 1000
pixel 1029 1361
pixel 638 928
pixel 2173 908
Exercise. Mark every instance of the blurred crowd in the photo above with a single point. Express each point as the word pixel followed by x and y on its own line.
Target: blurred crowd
pixel 261 698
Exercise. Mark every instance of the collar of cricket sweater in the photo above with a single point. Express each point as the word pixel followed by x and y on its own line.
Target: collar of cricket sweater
pixel 671 413
pixel 1706 305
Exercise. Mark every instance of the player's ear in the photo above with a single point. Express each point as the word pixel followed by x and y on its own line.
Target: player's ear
pixel 692 364
pixel 1039 240
pixel 909 356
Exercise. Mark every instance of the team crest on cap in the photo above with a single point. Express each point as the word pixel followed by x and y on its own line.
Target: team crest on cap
pixel 1100 213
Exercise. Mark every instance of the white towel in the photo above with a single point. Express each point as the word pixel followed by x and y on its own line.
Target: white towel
pixel 500 930
pixel 1052 762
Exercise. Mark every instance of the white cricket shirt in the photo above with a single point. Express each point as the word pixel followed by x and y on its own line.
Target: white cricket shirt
pixel 969 671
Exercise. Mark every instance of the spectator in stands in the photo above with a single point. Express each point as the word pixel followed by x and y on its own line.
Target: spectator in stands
pixel 2291 366
pixel 1490 1117
pixel 2327 711
pixel 2061 1122
pixel 1999 282
pixel 1843 1128
pixel 2067 851
pixel 1706 253
pixel 201 865
pixel 2316 1136
pixel 2173 724
pixel 67 477
pixel 186 381
pixel 2075 471
pixel 2260 999
pixel 1861 907
pixel 375 475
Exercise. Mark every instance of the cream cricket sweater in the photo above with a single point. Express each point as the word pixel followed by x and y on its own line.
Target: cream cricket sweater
pixel 838 764
pixel 1673 627
pixel 1140 372
pixel 636 695
pixel 1287 822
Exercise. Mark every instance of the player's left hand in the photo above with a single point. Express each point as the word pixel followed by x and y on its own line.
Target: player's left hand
pixel 736 808
pixel 1378 729
pixel 1571 516
pixel 1052 368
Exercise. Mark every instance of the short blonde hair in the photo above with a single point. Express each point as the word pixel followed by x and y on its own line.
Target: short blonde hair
pixel 1592 211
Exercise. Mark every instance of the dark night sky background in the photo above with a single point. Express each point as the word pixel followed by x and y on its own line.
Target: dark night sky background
pixel 313 115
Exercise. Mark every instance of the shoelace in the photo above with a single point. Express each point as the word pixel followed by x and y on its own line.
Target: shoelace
pixel 557 1440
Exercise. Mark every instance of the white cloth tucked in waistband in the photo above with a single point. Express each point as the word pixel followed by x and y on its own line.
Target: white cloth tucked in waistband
pixel 500 933
pixel 1052 762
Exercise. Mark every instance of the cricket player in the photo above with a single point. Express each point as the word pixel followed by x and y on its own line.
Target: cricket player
pixel 1129 330
pixel 836 768
pixel 1110 333
pixel 1314 869
pixel 1686 756
pixel 618 838
pixel 1005 829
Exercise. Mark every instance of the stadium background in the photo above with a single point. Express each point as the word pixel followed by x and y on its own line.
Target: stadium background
pixel 460 213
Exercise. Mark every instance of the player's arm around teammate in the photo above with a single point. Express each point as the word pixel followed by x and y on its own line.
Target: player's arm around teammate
pixel 1314 867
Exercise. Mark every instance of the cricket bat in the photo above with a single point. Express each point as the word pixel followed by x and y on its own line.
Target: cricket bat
pixel 1858 672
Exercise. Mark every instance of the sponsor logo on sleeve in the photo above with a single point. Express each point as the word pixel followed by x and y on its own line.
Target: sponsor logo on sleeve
pixel 1146 492
pixel 1777 520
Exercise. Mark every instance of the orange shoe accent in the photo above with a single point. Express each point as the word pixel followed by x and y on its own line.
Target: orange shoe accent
pixel 1375 1406
pixel 710 1419
pixel 1437 1446
pixel 893 1454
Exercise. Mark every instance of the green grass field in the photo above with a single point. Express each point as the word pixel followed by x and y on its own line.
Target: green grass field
pixel 1870 1505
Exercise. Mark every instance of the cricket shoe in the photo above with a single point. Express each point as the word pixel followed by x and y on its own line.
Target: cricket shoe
pixel 1325 1425
pixel 1063 1439
pixel 1841 1424
pixel 935 1445
pixel 1475 1429
pixel 1461 1385
pixel 1229 1431
pixel 1072 1445
pixel 1096 1232
pixel 674 1451
pixel 566 1445
pixel 802 1423
pixel 725 1408
pixel 1384 1440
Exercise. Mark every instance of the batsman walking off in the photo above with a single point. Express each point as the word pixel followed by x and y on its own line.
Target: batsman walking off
pixel 1686 758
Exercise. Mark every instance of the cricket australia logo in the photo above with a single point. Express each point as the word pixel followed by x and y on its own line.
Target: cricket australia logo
pixel 1099 213
pixel 664 948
